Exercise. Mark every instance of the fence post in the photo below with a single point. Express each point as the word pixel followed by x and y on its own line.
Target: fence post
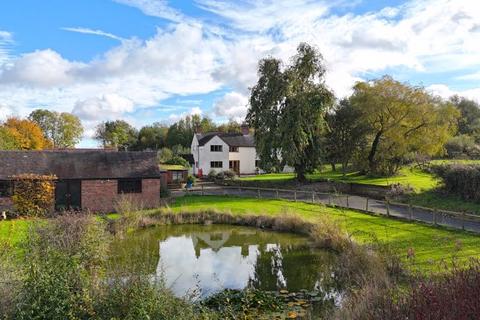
pixel 224 191
pixel 277 192
pixel 258 193
pixel 463 221
pixel 329 199
pixel 410 210
pixel 295 195
pixel 388 208
pixel 435 216
pixel 366 206
pixel 203 193
pixel 313 196
pixel 348 205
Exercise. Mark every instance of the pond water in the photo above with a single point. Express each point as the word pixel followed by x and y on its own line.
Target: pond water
pixel 202 260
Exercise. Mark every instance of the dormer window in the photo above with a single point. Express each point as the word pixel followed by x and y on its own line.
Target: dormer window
pixel 216 148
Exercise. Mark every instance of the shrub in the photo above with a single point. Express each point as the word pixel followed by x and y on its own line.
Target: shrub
pixel 212 175
pixel 225 175
pixel 34 195
pixel 191 179
pixel 461 180
pixel 398 190
pixel 462 146
pixel 452 295
pixel 63 263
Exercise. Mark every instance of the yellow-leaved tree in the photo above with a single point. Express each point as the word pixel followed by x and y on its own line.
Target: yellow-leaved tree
pixel 34 195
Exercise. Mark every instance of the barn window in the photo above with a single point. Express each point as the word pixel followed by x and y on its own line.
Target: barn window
pixel 6 188
pixel 216 148
pixel 130 186
pixel 216 164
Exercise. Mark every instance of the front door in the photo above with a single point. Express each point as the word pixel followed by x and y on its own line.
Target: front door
pixel 68 195
pixel 235 166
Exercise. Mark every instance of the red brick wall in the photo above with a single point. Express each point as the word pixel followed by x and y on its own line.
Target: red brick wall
pixel 102 195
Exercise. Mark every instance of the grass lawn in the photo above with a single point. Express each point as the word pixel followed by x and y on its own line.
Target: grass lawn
pixel 416 178
pixel 12 232
pixel 430 244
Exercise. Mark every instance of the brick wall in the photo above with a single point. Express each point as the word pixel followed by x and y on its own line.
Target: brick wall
pixel 102 195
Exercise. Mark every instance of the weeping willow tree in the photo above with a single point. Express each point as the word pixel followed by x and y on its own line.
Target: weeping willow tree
pixel 287 110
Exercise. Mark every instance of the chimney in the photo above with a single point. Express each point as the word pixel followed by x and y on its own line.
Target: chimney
pixel 245 129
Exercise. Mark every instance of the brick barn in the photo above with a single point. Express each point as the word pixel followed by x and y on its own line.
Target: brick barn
pixel 92 180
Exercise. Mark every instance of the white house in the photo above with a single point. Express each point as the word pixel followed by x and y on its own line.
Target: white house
pixel 224 151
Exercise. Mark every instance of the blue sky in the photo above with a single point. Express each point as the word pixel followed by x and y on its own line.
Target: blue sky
pixel 156 60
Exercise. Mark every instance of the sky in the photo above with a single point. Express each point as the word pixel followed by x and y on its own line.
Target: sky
pixel 148 61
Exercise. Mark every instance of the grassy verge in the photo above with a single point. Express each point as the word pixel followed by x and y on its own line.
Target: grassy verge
pixel 14 231
pixel 429 245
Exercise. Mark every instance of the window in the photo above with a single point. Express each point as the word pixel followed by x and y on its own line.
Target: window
pixel 216 164
pixel 6 189
pixel 177 176
pixel 216 148
pixel 130 186
pixel 233 149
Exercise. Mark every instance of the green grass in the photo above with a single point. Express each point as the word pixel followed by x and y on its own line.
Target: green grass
pixel 430 244
pixel 416 178
pixel 13 232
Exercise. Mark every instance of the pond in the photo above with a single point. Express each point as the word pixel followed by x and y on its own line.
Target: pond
pixel 201 260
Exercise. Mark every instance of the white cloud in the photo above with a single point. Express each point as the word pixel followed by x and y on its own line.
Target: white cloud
pixel 233 105
pixel 175 117
pixel 445 92
pixel 109 106
pixel 43 68
pixel 5 112
pixel 156 8
pixel 93 32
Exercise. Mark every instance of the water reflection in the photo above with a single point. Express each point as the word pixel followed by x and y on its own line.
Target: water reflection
pixel 212 258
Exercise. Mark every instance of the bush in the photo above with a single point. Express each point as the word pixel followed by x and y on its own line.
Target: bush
pixel 462 146
pixel 34 195
pixel 191 179
pixel 212 175
pixel 63 262
pixel 225 175
pixel 461 180
pixel 453 295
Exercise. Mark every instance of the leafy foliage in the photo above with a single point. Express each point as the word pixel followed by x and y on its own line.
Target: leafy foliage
pixel 23 135
pixel 402 120
pixel 287 110
pixel 34 195
pixel 152 137
pixel 461 180
pixel 64 130
pixel 116 134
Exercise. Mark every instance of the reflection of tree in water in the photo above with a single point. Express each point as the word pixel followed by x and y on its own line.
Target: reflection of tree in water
pixel 295 268
pixel 282 259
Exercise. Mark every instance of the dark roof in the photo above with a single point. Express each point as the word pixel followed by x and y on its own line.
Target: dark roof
pixel 189 158
pixel 80 164
pixel 232 139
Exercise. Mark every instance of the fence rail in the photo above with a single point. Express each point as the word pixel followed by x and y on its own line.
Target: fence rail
pixel 456 220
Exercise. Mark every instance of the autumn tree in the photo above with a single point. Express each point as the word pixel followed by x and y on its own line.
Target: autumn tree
pixel 64 129
pixel 25 134
pixel 287 110
pixel 402 120
pixel 116 134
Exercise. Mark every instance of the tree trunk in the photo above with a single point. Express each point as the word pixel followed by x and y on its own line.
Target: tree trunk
pixel 333 166
pixel 300 175
pixel 373 151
